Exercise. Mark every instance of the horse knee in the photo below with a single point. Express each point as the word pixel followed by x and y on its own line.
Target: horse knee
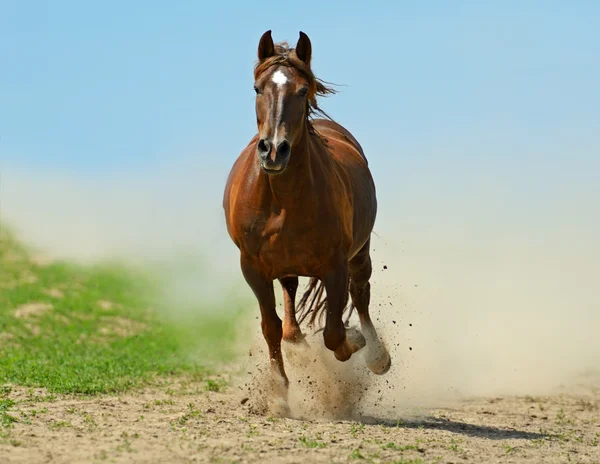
pixel 361 294
pixel 361 268
pixel 359 288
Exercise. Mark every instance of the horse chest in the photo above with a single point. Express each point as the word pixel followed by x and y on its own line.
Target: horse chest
pixel 285 236
pixel 285 246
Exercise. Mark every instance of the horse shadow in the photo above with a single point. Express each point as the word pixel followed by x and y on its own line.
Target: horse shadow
pixel 456 427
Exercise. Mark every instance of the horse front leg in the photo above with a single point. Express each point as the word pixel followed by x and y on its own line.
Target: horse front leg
pixel 342 342
pixel 272 331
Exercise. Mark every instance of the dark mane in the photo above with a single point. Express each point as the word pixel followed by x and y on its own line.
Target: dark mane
pixel 286 56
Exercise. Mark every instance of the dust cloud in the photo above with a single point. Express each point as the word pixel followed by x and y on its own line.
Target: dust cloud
pixel 481 291
pixel 168 217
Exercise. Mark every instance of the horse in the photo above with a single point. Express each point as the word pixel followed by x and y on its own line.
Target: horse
pixel 300 201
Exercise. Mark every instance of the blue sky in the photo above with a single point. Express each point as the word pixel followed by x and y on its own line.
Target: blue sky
pixel 467 94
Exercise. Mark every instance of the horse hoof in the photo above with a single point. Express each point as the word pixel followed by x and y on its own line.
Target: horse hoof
pixel 387 367
pixel 280 409
pixel 380 365
pixel 356 339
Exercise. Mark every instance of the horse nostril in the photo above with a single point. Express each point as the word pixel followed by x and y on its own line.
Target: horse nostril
pixel 283 149
pixel 264 148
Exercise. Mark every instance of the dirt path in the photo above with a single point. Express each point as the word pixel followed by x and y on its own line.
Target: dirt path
pixel 185 423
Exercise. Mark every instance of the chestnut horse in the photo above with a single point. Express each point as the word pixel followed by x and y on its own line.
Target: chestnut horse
pixel 300 201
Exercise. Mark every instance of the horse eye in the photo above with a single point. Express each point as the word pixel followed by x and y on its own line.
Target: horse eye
pixel 303 92
pixel 256 90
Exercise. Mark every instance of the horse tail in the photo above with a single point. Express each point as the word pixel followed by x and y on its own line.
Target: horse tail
pixel 313 303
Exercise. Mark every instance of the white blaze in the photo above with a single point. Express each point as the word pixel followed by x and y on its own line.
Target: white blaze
pixel 280 79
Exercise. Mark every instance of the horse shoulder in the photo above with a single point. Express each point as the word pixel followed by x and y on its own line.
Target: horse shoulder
pixel 239 175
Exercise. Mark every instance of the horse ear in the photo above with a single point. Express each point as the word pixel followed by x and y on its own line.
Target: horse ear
pixel 304 48
pixel 266 49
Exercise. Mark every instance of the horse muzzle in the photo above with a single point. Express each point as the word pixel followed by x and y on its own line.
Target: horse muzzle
pixel 273 160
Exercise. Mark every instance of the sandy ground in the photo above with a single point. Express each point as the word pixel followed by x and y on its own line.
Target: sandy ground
pixel 183 422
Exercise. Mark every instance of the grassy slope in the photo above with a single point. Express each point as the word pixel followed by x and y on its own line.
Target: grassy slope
pixel 74 329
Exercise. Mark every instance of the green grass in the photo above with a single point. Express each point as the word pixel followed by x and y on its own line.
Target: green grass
pixel 99 329
pixel 215 385
pixel 395 447
pixel 355 454
pixel 6 419
pixel 310 443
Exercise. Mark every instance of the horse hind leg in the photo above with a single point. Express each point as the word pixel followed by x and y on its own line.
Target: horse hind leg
pixel 377 357
pixel 343 342
pixel 291 329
